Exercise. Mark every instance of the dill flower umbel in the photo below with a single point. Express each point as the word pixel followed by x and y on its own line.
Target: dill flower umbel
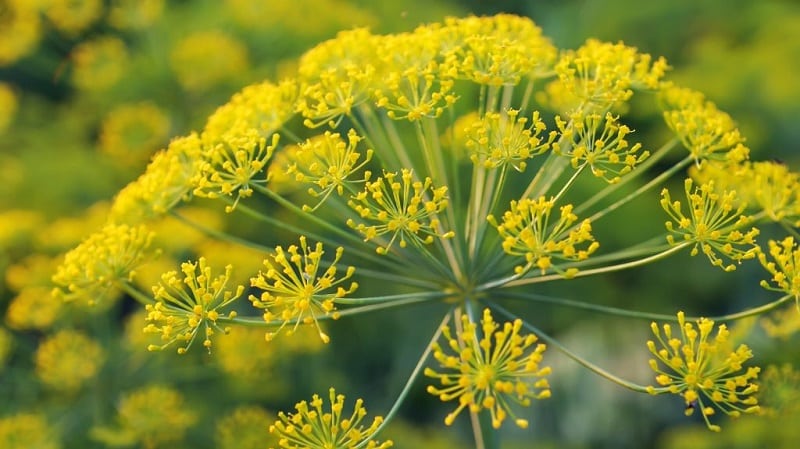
pixel 131 133
pixel 99 64
pixel 243 428
pixel 68 359
pixel 204 59
pixel 702 371
pixel 490 370
pixel 315 426
pixel 27 430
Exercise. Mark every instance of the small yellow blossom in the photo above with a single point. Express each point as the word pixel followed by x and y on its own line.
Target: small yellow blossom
pixel 234 167
pixel 406 209
pixel 784 267
pixel 20 30
pixel 134 14
pixel 33 308
pixel 599 143
pixel 93 269
pixel 527 231
pixel 501 140
pixel 490 370
pixel 99 64
pixel 714 224
pixel 244 428
pixel 205 59
pixel 131 133
pixel 66 360
pixel 701 370
pixel 313 427
pixel 294 289
pixel 27 431
pixel 186 306
pixel 326 162
pixel 155 415
pixel 73 16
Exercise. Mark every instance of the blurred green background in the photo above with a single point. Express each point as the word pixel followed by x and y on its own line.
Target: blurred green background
pixel 90 89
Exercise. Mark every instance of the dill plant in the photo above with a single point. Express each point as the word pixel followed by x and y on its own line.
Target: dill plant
pixel 453 162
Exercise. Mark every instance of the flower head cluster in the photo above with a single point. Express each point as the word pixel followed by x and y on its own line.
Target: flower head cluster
pixel 72 17
pixel 490 369
pixel 243 428
pixel 702 371
pixel 405 208
pixel 714 224
pixel 501 140
pixel 153 415
pixel 131 133
pixel 599 143
pixel 297 288
pixel 66 360
pixel 27 430
pixel 91 270
pixel 527 230
pixel 784 267
pixel 326 162
pixel 314 427
pixel 99 64
pixel 207 58
pixel 191 304
pixel 20 30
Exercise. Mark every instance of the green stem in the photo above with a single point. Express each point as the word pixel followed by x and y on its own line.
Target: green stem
pixel 410 382
pixel 390 298
pixel 220 235
pixel 575 357
pixel 136 294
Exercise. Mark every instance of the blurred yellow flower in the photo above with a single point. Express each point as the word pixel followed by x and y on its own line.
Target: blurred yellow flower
pixel 20 30
pixel 154 415
pixel 99 64
pixel 33 308
pixel 73 16
pixel 134 14
pixel 131 133
pixel 27 431
pixel 244 428
pixel 66 360
pixel 205 59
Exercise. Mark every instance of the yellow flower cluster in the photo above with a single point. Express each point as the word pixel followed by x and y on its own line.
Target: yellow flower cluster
pixel 714 224
pixel 315 427
pixel 134 14
pixel 73 16
pixel 154 415
pixel 99 63
pixel 243 428
pixel 501 140
pixel 490 369
pixel 405 209
pixel 185 305
pixel 784 267
pixel 297 288
pixel 131 133
pixel 93 269
pixel 205 59
pixel 27 430
pixel 527 231
pixel 700 370
pixel 66 360
pixel 20 30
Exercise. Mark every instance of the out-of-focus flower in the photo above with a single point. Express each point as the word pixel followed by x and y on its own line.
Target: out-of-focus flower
pixel 20 30
pixel 244 428
pixel 131 133
pixel 27 431
pixel 205 59
pixel 99 64
pixel 66 360
pixel 134 14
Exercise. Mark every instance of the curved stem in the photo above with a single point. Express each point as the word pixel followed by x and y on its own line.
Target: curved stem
pixel 410 382
pixel 389 298
pixel 578 359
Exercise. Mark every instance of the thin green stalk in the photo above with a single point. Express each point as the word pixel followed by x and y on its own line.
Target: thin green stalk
pixel 220 235
pixel 575 357
pixel 136 294
pixel 410 382
pixel 390 298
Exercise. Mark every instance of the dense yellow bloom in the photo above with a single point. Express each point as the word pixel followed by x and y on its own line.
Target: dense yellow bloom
pixel 527 231
pixel 296 291
pixel 489 370
pixel 327 161
pixel 244 428
pixel 205 59
pixel 131 133
pixel 134 14
pixel 502 140
pixel 94 268
pixel 784 267
pixel 73 16
pixel 27 431
pixel 407 209
pixel 773 188
pixel 66 360
pixel 715 224
pixel 155 415
pixel 20 30
pixel 599 143
pixel 169 179
pixel 313 427
pixel 190 305
pixel 99 64
pixel 701 370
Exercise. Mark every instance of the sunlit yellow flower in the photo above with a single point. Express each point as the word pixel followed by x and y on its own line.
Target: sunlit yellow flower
pixel 190 305
pixel 131 133
pixel 784 267
pixel 527 231
pixel 205 59
pixel 66 360
pixel 20 30
pixel 134 14
pixel 93 269
pixel 27 431
pixel 702 371
pixel 244 428
pixel 489 370
pixel 502 140
pixel 99 64
pixel 296 291
pixel 314 427
pixel 406 209
pixel 715 224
